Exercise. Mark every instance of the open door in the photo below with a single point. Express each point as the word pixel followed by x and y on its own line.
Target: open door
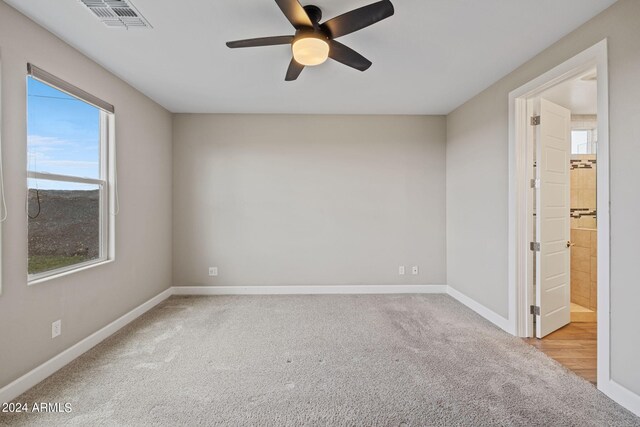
pixel 553 281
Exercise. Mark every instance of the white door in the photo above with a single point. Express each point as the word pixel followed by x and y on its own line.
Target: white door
pixel 553 232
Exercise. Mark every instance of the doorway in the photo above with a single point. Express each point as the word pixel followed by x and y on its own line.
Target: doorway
pixel 564 275
pixel 559 199
pixel 564 203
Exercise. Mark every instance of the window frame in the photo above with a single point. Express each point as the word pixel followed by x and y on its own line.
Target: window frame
pixel 105 182
pixel 592 140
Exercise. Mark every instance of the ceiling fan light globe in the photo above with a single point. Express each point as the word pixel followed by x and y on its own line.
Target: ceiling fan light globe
pixel 310 51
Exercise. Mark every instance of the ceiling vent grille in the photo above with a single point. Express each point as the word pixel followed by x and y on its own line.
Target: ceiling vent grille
pixel 117 13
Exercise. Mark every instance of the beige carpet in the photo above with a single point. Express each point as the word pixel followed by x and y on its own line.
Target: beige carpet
pixel 393 360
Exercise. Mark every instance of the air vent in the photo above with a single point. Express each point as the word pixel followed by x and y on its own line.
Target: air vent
pixel 117 13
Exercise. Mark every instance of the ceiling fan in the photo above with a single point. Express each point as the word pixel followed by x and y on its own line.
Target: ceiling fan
pixel 313 42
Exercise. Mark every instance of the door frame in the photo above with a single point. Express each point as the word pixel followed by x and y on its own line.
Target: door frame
pixel 520 288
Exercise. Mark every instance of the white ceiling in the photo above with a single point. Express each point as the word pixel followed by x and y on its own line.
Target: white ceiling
pixel 580 95
pixel 428 58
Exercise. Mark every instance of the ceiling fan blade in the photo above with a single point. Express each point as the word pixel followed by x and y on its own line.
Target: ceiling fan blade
pixel 295 13
pixel 347 56
pixel 358 19
pixel 293 71
pixel 262 41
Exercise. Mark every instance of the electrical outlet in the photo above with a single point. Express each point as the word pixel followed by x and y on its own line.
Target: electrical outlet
pixel 401 270
pixel 56 328
pixel 414 270
pixel 213 271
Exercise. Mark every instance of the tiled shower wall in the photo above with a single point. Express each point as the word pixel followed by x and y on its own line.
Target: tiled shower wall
pixel 583 223
pixel 583 191
pixel 584 272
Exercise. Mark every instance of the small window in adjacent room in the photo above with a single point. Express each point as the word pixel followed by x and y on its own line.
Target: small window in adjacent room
pixel 67 176
pixel 583 141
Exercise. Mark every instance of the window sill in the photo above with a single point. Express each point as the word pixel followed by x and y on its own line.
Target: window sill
pixel 37 280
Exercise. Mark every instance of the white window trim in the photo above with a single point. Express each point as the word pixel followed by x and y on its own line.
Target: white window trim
pixel 107 198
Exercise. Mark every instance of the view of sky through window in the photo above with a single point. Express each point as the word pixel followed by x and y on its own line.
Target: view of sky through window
pixel 63 135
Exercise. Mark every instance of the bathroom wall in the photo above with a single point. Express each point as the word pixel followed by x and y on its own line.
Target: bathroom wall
pixel 583 176
pixel 583 217
pixel 583 191
pixel 584 271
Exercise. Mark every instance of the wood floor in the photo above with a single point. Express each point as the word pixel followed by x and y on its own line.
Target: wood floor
pixel 574 346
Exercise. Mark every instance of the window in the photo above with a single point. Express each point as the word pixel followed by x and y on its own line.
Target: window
pixel 67 176
pixel 584 141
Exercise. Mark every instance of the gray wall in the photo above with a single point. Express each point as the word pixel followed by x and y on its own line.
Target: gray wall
pixel 477 181
pixel 87 300
pixel 304 200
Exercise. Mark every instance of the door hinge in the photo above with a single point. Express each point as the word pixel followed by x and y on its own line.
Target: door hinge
pixel 535 120
pixel 534 246
pixel 535 183
pixel 535 309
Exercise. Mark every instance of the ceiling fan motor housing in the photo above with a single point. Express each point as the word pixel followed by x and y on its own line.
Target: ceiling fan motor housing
pixel 314 12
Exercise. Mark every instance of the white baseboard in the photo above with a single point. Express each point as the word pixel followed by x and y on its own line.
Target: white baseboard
pixel 310 290
pixel 483 311
pixel 33 377
pixel 621 395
